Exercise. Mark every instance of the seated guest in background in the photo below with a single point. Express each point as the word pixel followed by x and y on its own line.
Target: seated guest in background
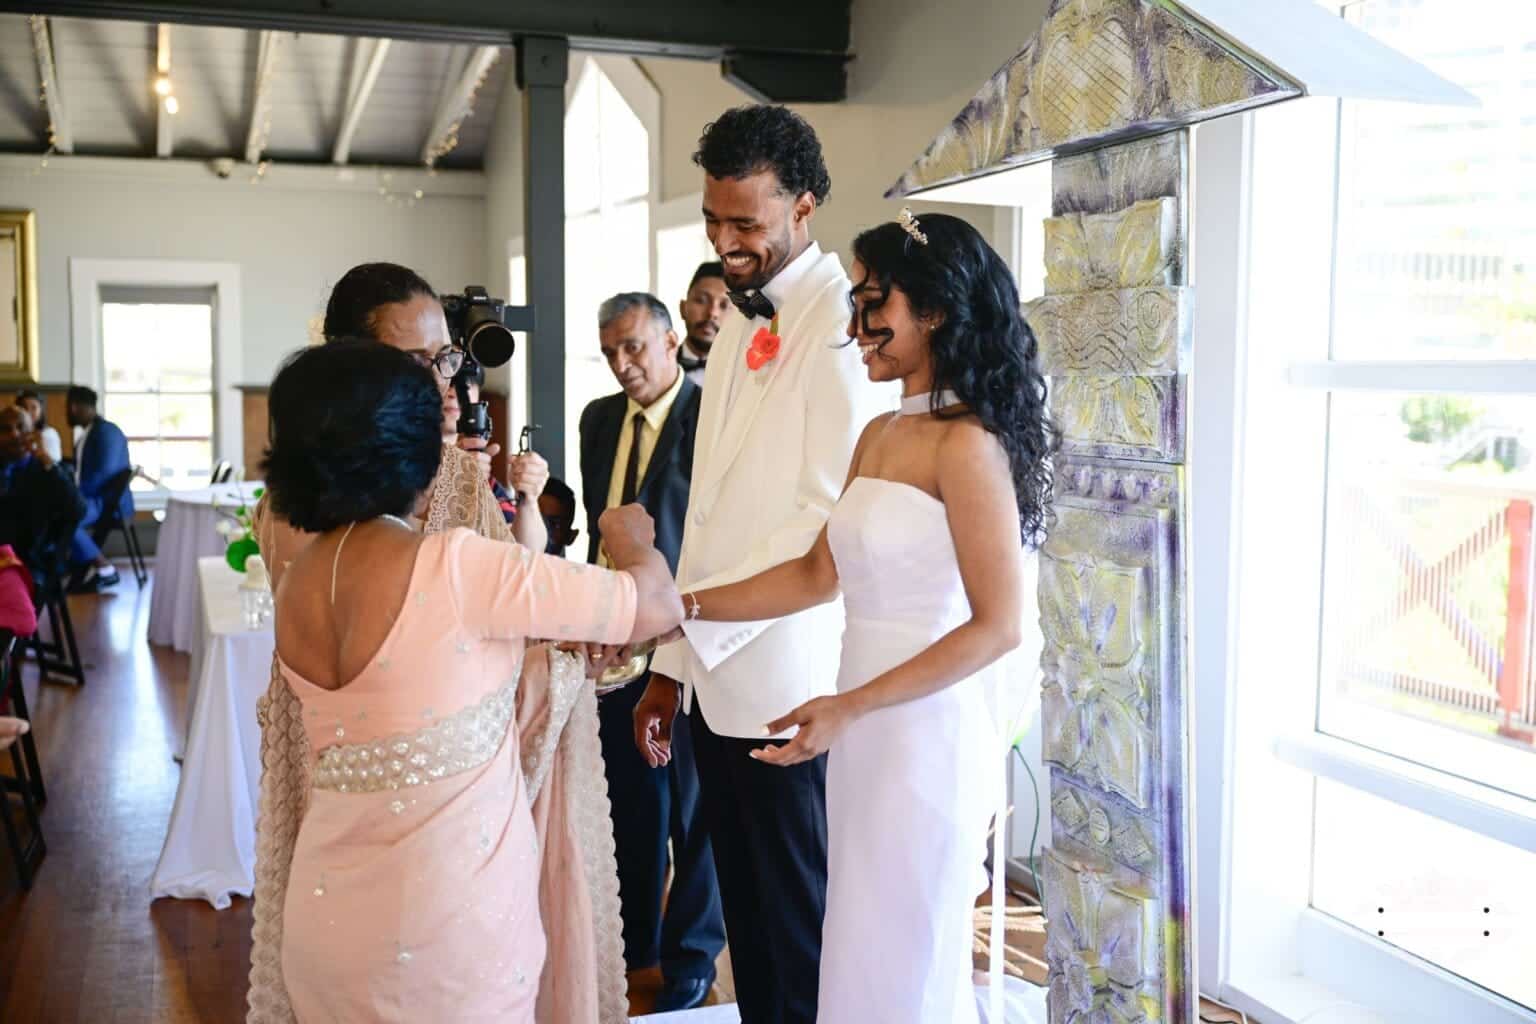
pixel 101 453
pixel 33 402
pixel 637 445
pixel 558 507
pixel 39 505
pixel 702 308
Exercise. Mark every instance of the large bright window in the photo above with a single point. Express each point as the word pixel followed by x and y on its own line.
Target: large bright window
pixel 681 245
pixel 607 233
pixel 1427 625
pixel 1388 565
pixel 157 358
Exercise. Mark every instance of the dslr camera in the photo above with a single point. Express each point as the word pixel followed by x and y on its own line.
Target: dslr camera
pixel 482 327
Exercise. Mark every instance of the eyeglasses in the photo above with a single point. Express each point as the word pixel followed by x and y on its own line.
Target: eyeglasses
pixel 447 362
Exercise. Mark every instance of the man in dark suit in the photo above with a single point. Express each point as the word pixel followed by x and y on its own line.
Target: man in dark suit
pixel 638 446
pixel 101 453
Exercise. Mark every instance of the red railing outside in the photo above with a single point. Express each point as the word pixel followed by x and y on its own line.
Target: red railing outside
pixel 1433 583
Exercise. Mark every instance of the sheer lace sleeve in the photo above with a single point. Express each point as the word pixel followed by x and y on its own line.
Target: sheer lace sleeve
pixel 583 978
pixel 461 496
pixel 280 808
pixel 283 796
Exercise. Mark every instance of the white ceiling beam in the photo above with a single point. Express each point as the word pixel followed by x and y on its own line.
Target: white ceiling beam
pixel 62 138
pixel 369 60
pixel 164 119
pixel 454 103
pixel 260 131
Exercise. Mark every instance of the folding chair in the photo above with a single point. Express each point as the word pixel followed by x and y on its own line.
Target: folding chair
pixel 111 519
pixel 28 855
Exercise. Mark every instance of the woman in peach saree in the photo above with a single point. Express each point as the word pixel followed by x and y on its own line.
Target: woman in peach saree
pixel 433 836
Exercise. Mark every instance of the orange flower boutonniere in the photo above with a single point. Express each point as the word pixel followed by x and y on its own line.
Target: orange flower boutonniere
pixel 765 346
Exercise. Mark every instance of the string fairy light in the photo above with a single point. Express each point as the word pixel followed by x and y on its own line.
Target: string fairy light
pixel 406 199
pixel 264 94
pixel 450 140
pixel 39 26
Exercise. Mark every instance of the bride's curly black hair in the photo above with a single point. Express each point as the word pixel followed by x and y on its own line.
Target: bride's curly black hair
pixel 983 350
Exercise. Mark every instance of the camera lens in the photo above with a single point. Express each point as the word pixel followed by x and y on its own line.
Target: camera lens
pixel 489 343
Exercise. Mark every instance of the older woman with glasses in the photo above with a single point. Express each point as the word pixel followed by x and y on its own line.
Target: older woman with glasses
pixel 394 306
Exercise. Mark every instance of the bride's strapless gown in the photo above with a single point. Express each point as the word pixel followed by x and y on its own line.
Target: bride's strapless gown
pixel 910 789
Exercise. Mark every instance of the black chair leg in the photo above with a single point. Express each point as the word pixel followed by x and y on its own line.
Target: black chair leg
pixel 28 742
pixel 51 649
pixel 76 666
pixel 135 554
pixel 28 857
pixel 67 662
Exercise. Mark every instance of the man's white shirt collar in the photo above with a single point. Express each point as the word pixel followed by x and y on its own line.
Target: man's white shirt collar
pixel 783 284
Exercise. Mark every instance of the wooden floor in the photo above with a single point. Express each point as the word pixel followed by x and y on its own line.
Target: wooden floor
pixel 86 944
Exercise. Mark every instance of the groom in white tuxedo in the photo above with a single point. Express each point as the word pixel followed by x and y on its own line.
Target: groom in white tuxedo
pixel 785 398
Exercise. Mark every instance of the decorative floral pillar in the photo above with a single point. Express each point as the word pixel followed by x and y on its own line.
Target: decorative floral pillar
pixel 1114 331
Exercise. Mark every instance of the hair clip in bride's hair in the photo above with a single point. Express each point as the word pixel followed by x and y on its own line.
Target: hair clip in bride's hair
pixel 910 226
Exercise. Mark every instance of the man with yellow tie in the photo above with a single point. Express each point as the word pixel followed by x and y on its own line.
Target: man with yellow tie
pixel 637 446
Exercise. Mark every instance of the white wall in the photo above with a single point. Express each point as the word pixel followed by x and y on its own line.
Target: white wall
pixel 292 235
pixel 917 65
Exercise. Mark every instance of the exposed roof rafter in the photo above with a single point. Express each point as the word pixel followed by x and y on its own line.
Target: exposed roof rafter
pixel 456 102
pixel 61 137
pixel 164 119
pixel 799 54
pixel 368 60
pixel 261 113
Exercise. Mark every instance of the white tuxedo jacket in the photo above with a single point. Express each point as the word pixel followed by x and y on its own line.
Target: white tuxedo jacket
pixel 772 453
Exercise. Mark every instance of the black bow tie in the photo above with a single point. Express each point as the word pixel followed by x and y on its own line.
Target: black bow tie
pixel 752 304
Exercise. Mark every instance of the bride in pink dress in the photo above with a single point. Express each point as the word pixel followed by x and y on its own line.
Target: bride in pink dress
pixel 417 886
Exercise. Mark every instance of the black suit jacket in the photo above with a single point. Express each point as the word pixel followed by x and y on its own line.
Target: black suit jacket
pixel 664 490
pixel 39 511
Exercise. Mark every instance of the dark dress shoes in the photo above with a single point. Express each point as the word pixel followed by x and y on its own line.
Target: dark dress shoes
pixel 94 580
pixel 683 994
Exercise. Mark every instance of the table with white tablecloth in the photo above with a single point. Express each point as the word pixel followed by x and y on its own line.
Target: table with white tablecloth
pixel 210 844
pixel 190 532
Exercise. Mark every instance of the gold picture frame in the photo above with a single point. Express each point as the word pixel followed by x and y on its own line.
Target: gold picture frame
pixel 18 297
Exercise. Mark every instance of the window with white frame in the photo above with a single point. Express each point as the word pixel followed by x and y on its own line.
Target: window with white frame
pixel 607 232
pixel 158 364
pixel 681 245
pixel 1390 623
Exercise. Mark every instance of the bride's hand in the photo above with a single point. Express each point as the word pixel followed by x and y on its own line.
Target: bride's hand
pixel 821 722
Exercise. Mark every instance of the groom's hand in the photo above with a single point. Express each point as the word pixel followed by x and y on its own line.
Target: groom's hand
pixel 654 714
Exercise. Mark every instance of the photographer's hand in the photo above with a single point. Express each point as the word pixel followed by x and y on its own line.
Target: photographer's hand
pixel 485 452
pixel 529 474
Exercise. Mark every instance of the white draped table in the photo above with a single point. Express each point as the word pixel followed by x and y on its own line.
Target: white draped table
pixel 210 844
pixel 190 532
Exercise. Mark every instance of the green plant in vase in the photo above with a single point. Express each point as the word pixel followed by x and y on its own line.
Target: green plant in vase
pixel 235 527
